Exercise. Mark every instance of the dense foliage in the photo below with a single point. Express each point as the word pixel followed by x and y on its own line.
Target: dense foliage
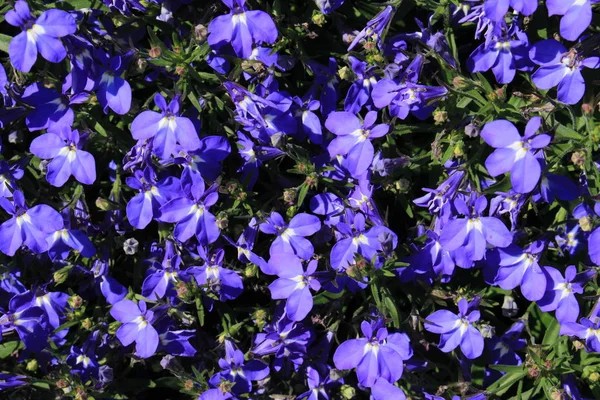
pixel 328 199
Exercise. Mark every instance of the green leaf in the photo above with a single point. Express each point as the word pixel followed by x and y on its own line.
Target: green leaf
pixel 6 349
pixel 563 132
pixel 551 335
pixel 4 42
pixel 503 384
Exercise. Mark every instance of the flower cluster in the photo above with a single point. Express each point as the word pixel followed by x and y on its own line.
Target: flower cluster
pixel 328 199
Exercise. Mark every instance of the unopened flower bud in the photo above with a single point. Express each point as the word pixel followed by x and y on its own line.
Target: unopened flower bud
pixel 130 246
pixel 32 365
pixel 578 158
pixel 459 82
pixel 402 184
pixel 155 52
pixel 75 301
pixel 222 222
pixel 509 307
pixel 62 383
pixel 86 324
pixel 587 108
pixel 440 116
pixel 585 224
pixel 250 270
pixel 318 18
pixel 347 392
pixel 289 196
pixel 345 73
pixel 180 70
pixel 189 384
pixel 15 137
pixel 43 166
pixel 594 377
pixel 487 331
pixel 472 130
pixel 459 149
pixel 200 32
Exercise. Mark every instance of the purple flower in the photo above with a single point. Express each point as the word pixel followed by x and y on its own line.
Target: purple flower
pixel 137 327
pixel 153 194
pixel 560 293
pixel 359 93
pixel 457 330
pixel 354 139
pixel 515 153
pixel 356 238
pixel 378 355
pixel 238 371
pixel 11 381
pixel 167 128
pixel 587 329
pixel 327 6
pixel 518 267
pixel 561 67
pixel 39 35
pixel 245 244
pixel 471 233
pixel 113 91
pixel 64 149
pixel 214 277
pixel 190 213
pixel 205 161
pixel 291 238
pixel 497 9
pixel 503 54
pixel 294 284
pixel 241 28
pixel 51 110
pixel 29 320
pixel 375 27
pixel 27 225
pixel 577 16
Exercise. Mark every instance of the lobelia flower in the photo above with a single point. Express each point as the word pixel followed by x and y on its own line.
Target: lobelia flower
pixel 254 156
pixel 433 257
pixel 27 225
pixel 354 139
pixel 11 381
pixel 356 238
pixel 241 29
pixel 9 174
pixel 457 330
pixel 84 360
pixel 471 234
pixel 113 91
pixel 153 194
pixel 190 213
pixel 560 292
pixel 161 278
pixel 497 9
pixel 167 128
pixel 51 110
pixel 521 268
pixel 110 288
pixel 83 68
pixel 378 355
pixel 293 284
pixel 515 153
pixel 319 384
pixel 204 162
pixel 407 96
pixel 561 67
pixel 215 278
pixel 577 16
pixel 137 326
pixel 239 372
pixel 504 53
pixel 503 350
pixel 328 6
pixel 587 329
pixel 29 320
pixel 38 35
pixel 359 93
pixel 308 122
pixel 63 147
pixel 245 244
pixel 374 28
pixel 291 237
pixel 286 339
pixel 325 86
